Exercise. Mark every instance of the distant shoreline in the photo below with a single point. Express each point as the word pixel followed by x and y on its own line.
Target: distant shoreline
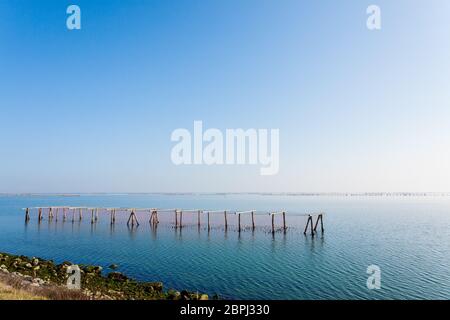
pixel 295 194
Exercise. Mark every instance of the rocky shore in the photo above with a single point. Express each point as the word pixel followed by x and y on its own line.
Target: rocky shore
pixel 47 279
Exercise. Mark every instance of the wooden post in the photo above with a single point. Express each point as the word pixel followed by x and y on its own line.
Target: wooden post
pixel 129 219
pixel 273 223
pixel 92 216
pixel 181 219
pixel 81 213
pixel 319 217
pixel 198 218
pixel 312 229
pixel 176 218
pixel 284 221
pixel 226 222
pixel 156 217
pixel 64 214
pixel 56 215
pixel 253 220
pixel 307 224
pixel 27 215
pixel 73 215
pixel 50 213
pixel 317 222
pixel 135 219
pixel 96 214
pixel 239 222
pixel 209 227
pixel 40 214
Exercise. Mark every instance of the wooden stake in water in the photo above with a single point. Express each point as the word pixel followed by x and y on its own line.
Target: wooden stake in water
pixel 209 227
pixel 253 221
pixel 273 223
pixel 226 222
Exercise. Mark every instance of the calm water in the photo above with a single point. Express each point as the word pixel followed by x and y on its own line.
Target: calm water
pixel 407 237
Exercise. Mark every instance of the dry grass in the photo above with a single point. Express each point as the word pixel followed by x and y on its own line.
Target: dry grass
pixel 12 288
pixel 9 293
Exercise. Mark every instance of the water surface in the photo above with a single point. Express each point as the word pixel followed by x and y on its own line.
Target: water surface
pixel 407 237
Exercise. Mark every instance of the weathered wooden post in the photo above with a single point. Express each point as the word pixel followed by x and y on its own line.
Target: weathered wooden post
pixel 40 214
pixel 92 216
pixel 81 214
pixel 73 215
pixel 113 216
pixel 273 223
pixel 181 219
pixel 50 213
pixel 226 222
pixel 96 214
pixel 319 217
pixel 64 214
pixel 56 214
pixel 176 218
pixel 198 218
pixel 27 215
pixel 239 222
pixel 284 221
pixel 253 221
pixel 310 221
pixel 133 219
pixel 209 227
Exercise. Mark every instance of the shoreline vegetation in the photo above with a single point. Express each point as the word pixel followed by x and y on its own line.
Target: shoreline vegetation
pixel 24 278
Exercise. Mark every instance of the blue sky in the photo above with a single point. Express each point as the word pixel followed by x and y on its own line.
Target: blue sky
pixel 92 110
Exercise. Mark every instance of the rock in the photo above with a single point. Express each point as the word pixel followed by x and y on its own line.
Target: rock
pixel 2 266
pixel 92 269
pixel 38 281
pixel 98 269
pixel 35 261
pixel 28 265
pixel 184 295
pixel 36 268
pixel 204 297
pixel 157 286
pixel 117 276
pixel 113 266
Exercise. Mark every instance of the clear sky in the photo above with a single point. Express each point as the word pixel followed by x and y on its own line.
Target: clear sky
pixel 92 110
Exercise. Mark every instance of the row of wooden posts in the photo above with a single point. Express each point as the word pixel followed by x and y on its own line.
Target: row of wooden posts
pixel 53 213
